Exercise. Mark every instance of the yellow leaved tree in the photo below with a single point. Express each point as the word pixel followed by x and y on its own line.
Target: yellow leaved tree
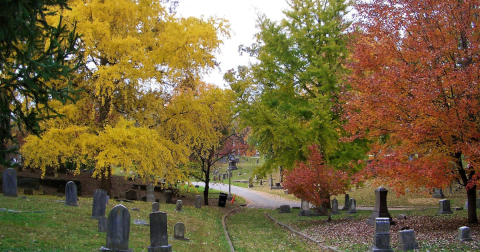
pixel 137 56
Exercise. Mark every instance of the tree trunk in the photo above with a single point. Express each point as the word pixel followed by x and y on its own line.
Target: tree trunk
pixel 472 205
pixel 106 182
pixel 205 193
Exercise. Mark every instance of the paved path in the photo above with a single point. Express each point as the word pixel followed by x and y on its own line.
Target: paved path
pixel 255 199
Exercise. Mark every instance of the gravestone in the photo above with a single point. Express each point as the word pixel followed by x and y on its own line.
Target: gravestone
pixel 71 194
pixel 380 209
pixel 381 236
pixel 179 206
pixel 284 209
pixel 179 231
pixel 150 195
pixel 139 192
pixel 335 209
pixel 352 206
pixel 168 197
pixel 102 224
pixel 347 200
pixel 99 203
pixel 406 240
pixel 118 230
pixel 9 185
pixel 305 208
pixel 438 194
pixel 261 181
pixel 232 163
pixel 198 201
pixel 158 233
pixel 445 207
pixel 250 182
pixel 464 234
pixel 155 207
pixel 224 176
pixel 258 160
pixel 131 195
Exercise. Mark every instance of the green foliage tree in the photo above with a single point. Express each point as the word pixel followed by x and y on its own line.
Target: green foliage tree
pixel 33 53
pixel 290 97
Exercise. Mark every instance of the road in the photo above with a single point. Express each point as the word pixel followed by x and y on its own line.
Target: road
pixel 255 199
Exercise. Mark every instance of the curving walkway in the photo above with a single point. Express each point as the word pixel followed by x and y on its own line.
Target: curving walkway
pixel 255 199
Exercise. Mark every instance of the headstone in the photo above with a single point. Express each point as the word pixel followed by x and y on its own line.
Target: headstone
pixel 139 192
pixel 168 197
pixel 335 209
pixel 284 209
pixel 380 209
pixel 232 163
pixel 179 206
pixel 438 194
pixel 305 208
pixel 131 195
pixel 250 182
pixel 261 181
pixel 71 194
pixel 155 207
pixel 179 231
pixel 464 234
pixel 258 160
pixel 158 233
pixel 118 230
pixel 352 206
pixel 102 224
pixel 10 183
pixel 406 240
pixel 99 203
pixel 381 236
pixel 150 195
pixel 445 207
pixel 198 201
pixel 347 200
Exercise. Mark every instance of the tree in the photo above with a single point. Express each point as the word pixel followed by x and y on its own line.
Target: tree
pixel 316 181
pixel 415 93
pixel 289 98
pixel 136 56
pixel 33 53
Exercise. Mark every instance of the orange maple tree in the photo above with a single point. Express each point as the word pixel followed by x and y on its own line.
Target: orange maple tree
pixel 314 180
pixel 414 90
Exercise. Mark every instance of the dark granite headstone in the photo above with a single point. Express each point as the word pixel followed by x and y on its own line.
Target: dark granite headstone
pixel 445 207
pixel 380 210
pixel 99 203
pixel 284 209
pixel 347 200
pixel 9 185
pixel 71 194
pixel 118 230
pixel 155 207
pixel 158 233
pixel 179 206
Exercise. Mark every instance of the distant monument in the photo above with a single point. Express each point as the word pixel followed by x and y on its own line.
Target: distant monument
pixel 232 163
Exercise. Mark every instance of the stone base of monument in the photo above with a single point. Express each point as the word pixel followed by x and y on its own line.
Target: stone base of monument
pixel 305 213
pixel 167 248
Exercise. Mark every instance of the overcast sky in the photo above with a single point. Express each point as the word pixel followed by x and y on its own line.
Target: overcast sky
pixel 242 16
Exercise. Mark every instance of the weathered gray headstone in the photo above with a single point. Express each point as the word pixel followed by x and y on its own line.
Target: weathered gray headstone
pixel 99 203
pixel 179 206
pixel 71 194
pixel 335 209
pixel 102 224
pixel 155 207
pixel 305 208
pixel 150 194
pixel 198 201
pixel 118 230
pixel 464 234
pixel 438 194
pixel 406 240
pixel 158 233
pixel 381 236
pixel 445 207
pixel 284 209
pixel 352 206
pixel 131 195
pixel 347 200
pixel 380 209
pixel 179 231
pixel 139 192
pixel 10 183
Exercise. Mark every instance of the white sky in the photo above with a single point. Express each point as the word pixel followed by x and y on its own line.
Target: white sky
pixel 242 16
